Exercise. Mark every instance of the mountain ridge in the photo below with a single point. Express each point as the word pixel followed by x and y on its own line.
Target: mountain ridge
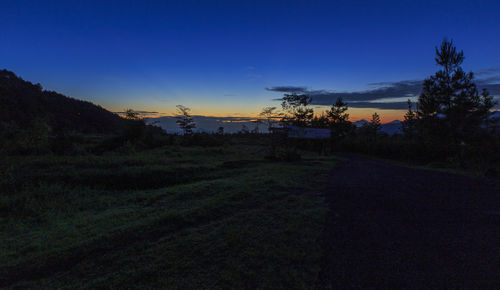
pixel 22 102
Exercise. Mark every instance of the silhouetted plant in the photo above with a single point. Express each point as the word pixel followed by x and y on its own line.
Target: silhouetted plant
pixel 409 125
pixel 320 121
pixel 184 120
pixel 375 124
pixel 339 119
pixel 271 114
pixel 450 106
pixel 131 114
pixel 296 107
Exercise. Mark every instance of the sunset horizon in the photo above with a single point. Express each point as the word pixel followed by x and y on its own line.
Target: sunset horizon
pixel 229 59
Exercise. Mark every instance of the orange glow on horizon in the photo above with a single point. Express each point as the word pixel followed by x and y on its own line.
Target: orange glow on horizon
pixel 355 114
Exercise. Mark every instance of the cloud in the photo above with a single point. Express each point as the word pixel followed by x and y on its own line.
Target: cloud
pixel 361 99
pixel 383 95
pixel 141 113
pixel 379 105
pixel 386 90
pixel 287 89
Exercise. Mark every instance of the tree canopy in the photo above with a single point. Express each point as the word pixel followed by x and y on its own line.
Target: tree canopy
pixel 450 105
pixel 184 119
pixel 298 112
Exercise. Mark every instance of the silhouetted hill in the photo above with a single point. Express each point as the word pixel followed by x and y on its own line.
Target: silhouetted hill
pixel 390 128
pixel 22 102
pixel 360 123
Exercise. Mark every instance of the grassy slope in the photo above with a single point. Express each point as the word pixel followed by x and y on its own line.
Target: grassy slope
pixel 193 217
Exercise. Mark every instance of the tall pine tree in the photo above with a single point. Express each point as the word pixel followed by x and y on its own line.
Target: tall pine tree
pixel 450 105
pixel 409 124
pixel 339 119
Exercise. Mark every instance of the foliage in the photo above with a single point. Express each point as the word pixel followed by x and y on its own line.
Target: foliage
pixel 375 124
pixel 409 125
pixel 131 114
pixel 184 120
pixel 270 114
pixel 320 121
pixel 338 119
pixel 297 111
pixel 450 108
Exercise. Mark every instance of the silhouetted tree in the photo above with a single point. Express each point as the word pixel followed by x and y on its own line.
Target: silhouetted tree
pixel 220 131
pixel 271 114
pixel 375 124
pixel 296 106
pixel 135 126
pixel 131 114
pixel 184 120
pixel 409 124
pixel 339 119
pixel 320 121
pixel 450 105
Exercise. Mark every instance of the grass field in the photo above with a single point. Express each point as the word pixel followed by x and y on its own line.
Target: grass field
pixel 172 217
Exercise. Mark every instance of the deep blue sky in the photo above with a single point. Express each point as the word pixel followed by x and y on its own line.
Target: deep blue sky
pixel 219 56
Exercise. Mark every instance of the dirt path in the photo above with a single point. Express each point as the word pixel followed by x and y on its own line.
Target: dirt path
pixel 392 226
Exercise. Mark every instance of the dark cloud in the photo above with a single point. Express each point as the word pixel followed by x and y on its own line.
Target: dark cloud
pixel 382 90
pixel 379 105
pixel 387 90
pixel 140 112
pixel 287 89
pixel 361 99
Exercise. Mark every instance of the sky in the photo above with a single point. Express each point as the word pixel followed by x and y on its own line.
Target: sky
pixel 232 58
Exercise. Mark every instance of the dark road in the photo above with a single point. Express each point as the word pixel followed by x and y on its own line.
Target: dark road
pixel 392 226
